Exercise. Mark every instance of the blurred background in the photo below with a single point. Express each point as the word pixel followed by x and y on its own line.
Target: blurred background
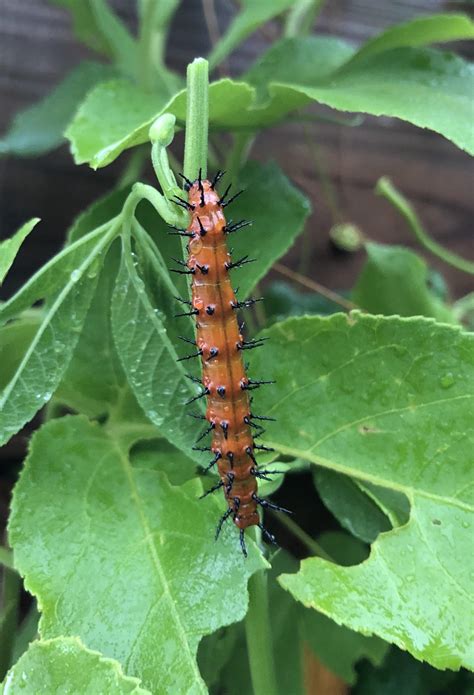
pixel 37 49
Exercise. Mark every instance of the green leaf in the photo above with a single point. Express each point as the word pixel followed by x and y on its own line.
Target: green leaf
pixel 117 115
pixel 283 301
pixel 388 401
pixel 161 455
pixel 15 338
pixel 64 665
pixel 394 280
pixel 426 87
pixel 390 75
pixel 94 382
pixel 248 20
pixel 421 31
pixel 149 357
pixel 10 247
pixel 339 648
pixel 39 128
pixel 391 502
pixel 343 548
pixel 121 45
pixel 51 349
pixel 106 121
pixel 147 544
pixel 308 59
pixel 216 651
pixel 285 218
pixel 296 628
pixel 46 358
pixel 55 274
pixel 101 29
pixel 354 510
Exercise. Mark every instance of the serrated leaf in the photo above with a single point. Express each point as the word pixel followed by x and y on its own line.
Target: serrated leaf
pixel 107 119
pixel 388 401
pixel 117 115
pixel 40 128
pixel 394 280
pixel 160 581
pixel 249 19
pixel 64 665
pixel 10 247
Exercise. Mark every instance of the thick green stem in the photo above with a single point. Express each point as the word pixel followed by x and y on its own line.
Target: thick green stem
pixel 386 188
pixel 259 637
pixel 197 117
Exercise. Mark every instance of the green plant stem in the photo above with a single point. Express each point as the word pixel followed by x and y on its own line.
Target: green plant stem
pixel 301 17
pixel 145 46
pixel 6 558
pixel 312 545
pixel 259 637
pixel 10 600
pixel 134 167
pixel 238 155
pixel 154 22
pixel 197 118
pixel 316 287
pixel 386 188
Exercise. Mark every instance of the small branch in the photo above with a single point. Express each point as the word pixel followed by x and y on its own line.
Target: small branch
pixel 386 188
pixel 316 287
pixel 311 545
pixel 301 17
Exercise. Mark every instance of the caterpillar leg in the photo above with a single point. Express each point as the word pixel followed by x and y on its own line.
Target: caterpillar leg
pixel 222 521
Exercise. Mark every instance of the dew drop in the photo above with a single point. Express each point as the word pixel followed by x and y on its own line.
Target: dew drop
pixel 75 275
pixel 465 524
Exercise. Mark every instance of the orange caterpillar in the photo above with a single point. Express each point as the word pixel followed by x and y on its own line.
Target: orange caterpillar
pixel 220 345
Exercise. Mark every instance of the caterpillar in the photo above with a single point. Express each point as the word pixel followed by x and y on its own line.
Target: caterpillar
pixel 220 346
